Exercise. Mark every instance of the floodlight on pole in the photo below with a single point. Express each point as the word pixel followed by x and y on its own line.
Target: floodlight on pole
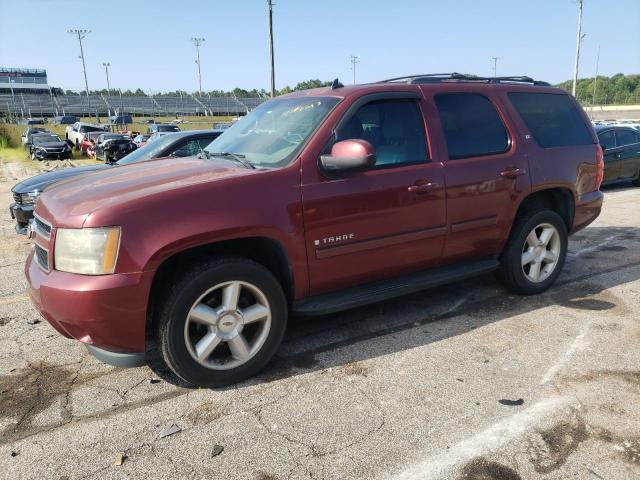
pixel 106 66
pixel 579 38
pixel 354 59
pixel 81 34
pixel 198 41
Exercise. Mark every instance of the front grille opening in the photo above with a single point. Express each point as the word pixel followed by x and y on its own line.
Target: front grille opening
pixel 42 257
pixel 17 198
pixel 42 227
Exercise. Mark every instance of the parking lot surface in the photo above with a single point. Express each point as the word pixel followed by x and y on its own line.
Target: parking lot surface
pixel 461 382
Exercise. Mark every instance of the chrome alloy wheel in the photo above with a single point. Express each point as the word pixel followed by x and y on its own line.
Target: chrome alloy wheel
pixel 540 252
pixel 227 325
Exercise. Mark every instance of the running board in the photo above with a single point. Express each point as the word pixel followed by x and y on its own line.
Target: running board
pixel 386 289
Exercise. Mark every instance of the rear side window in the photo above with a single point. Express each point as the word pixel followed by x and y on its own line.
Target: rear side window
pixel 626 137
pixel 471 124
pixel 607 139
pixel 552 119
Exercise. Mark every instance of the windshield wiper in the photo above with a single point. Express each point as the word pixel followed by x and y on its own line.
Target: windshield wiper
pixel 203 152
pixel 237 157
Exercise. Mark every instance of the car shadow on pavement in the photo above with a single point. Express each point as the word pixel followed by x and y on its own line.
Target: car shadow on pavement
pixel 309 341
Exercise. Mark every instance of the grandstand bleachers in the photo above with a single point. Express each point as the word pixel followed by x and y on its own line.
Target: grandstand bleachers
pixel 46 105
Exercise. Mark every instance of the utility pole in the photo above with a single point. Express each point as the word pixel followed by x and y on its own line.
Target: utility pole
pixel 354 59
pixel 579 38
pixel 106 66
pixel 198 41
pixel 81 34
pixel 495 65
pixel 271 57
pixel 595 80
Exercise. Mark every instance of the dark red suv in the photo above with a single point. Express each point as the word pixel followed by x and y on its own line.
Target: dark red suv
pixel 315 202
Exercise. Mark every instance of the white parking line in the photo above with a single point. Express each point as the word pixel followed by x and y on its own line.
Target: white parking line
pixel 579 343
pixel 488 440
pixel 591 248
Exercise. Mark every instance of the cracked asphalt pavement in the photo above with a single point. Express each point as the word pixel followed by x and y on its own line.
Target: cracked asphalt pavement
pixel 461 382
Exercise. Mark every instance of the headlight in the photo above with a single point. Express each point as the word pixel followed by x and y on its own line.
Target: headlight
pixel 88 251
pixel 29 198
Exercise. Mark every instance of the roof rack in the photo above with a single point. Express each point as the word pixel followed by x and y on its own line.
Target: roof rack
pixel 462 77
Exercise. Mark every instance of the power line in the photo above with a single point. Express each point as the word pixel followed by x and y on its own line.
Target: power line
pixel 579 38
pixel 271 57
pixel 81 34
pixel 198 41
pixel 354 59
pixel 495 65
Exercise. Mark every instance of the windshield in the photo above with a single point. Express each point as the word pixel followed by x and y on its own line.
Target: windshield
pixel 168 128
pixel 149 151
pixel 272 134
pixel 45 139
pixel 86 129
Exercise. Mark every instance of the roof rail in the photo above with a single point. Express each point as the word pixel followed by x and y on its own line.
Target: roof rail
pixel 462 77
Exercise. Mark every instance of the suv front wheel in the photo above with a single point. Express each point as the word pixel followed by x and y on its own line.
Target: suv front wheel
pixel 221 322
pixel 535 253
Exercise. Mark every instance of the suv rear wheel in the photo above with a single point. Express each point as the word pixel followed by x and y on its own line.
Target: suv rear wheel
pixel 535 253
pixel 221 322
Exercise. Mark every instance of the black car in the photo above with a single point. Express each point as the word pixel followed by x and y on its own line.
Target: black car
pixel 44 146
pixel 162 127
pixel 621 146
pixel 111 147
pixel 180 144
pixel 65 120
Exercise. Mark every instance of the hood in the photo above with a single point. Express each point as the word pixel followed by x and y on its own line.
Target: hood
pixel 69 202
pixel 40 182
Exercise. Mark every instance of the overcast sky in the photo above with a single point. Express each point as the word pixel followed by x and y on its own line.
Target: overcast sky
pixel 147 42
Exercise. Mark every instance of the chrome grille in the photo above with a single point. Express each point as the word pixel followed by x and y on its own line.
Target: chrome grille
pixel 17 198
pixel 42 228
pixel 42 257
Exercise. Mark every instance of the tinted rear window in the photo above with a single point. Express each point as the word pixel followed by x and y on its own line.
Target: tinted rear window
pixel 552 119
pixel 471 124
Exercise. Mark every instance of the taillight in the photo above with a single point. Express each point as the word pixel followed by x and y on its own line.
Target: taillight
pixel 599 166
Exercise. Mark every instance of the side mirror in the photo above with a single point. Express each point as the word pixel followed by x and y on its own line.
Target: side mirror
pixel 349 155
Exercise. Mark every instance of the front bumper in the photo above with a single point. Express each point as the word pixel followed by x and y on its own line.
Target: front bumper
pixel 22 215
pixel 40 155
pixel 106 312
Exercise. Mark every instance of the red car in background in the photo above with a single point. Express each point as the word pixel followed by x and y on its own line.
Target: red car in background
pixel 88 144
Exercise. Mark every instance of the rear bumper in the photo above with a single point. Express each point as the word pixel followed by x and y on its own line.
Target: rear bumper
pixel 22 214
pixel 107 312
pixel 588 207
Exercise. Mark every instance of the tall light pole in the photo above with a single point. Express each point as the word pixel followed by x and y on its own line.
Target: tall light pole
pixel 198 41
pixel 495 65
pixel 271 57
pixel 81 34
pixel 354 59
pixel 106 66
pixel 595 80
pixel 578 42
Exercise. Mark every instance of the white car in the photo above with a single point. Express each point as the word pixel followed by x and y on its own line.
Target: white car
pixel 75 133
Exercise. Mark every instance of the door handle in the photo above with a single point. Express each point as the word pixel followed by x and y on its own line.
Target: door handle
pixel 420 188
pixel 512 172
pixel 617 156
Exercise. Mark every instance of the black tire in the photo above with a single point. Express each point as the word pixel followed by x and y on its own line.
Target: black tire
pixel 636 182
pixel 77 145
pixel 511 272
pixel 184 291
